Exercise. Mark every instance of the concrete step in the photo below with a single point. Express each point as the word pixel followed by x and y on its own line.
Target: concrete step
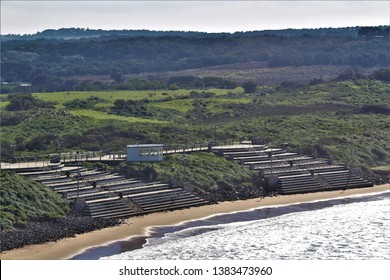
pixel 111 207
pixel 249 153
pixel 89 196
pixel 178 197
pixel 107 206
pixel 119 182
pixel 285 172
pixel 300 190
pixel 115 214
pixel 142 185
pixel 182 202
pixel 74 188
pixel 105 178
pixel 144 189
pixel 175 206
pixel 327 168
pixel 55 181
pixel 167 199
pixel 268 162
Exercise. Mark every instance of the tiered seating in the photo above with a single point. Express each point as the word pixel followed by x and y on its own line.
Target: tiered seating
pixel 226 151
pixel 327 168
pixel 112 207
pixel 71 187
pixel 246 153
pixel 166 200
pixel 55 180
pixel 344 180
pixel 54 175
pixel 295 173
pixel 112 195
pixel 275 160
pixel 142 187
pixel 93 175
pixel 283 171
pixel 88 194
pixel 298 184
pixel 119 181
pixel 147 198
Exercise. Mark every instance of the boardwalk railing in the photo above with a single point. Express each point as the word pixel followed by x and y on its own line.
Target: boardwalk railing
pixel 107 155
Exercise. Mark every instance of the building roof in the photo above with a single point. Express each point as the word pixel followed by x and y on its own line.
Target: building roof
pixel 144 146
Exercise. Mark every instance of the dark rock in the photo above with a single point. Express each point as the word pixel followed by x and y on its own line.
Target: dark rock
pixel 42 232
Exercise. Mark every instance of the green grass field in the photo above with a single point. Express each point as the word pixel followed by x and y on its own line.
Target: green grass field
pixel 213 104
pixel 62 97
pixel 99 115
pixel 355 93
pixel 3 104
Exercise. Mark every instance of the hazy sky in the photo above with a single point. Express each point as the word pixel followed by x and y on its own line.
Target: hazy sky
pixel 26 17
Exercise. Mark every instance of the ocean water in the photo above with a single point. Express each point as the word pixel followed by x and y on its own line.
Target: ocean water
pixel 356 228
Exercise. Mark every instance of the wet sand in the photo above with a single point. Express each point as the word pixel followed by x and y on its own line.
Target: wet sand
pixel 137 226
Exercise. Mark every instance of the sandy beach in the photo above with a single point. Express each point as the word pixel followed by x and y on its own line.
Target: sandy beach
pixel 68 247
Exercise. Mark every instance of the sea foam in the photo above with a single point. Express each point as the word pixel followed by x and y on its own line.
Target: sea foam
pixel 345 230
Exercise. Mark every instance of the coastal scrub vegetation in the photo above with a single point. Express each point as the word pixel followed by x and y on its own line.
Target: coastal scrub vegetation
pixel 208 175
pixel 25 200
pixel 354 111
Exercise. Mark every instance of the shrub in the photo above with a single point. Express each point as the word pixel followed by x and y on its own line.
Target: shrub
pixel 375 109
pixel 249 87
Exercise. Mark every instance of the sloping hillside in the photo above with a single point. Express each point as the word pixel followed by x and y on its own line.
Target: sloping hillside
pixel 23 200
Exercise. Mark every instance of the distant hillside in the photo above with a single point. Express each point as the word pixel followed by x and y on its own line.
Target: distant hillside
pixel 80 33
pixel 51 65
pixel 24 200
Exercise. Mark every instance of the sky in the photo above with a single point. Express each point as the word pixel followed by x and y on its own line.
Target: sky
pixel 28 17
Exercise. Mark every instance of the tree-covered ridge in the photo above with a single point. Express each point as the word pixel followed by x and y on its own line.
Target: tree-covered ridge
pixel 80 33
pixel 86 33
pixel 62 64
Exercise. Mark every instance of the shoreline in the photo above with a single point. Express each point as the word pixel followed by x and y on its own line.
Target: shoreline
pixel 141 225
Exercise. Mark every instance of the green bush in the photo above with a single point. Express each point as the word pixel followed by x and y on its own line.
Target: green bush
pixel 23 200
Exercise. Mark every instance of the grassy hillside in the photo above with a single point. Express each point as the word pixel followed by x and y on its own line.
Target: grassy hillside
pixel 207 174
pixel 332 119
pixel 22 200
pixel 263 75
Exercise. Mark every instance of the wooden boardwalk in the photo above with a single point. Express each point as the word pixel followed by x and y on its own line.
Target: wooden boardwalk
pixel 99 156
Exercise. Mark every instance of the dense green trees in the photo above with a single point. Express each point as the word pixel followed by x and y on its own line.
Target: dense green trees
pixel 374 31
pixel 249 87
pixel 77 64
pixel 197 82
pixel 382 75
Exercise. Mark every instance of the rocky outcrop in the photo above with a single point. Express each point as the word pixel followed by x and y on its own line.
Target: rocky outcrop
pixel 42 232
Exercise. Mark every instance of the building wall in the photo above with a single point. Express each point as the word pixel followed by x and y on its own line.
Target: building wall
pixel 145 153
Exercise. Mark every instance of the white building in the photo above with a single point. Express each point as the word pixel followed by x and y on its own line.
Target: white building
pixel 144 152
